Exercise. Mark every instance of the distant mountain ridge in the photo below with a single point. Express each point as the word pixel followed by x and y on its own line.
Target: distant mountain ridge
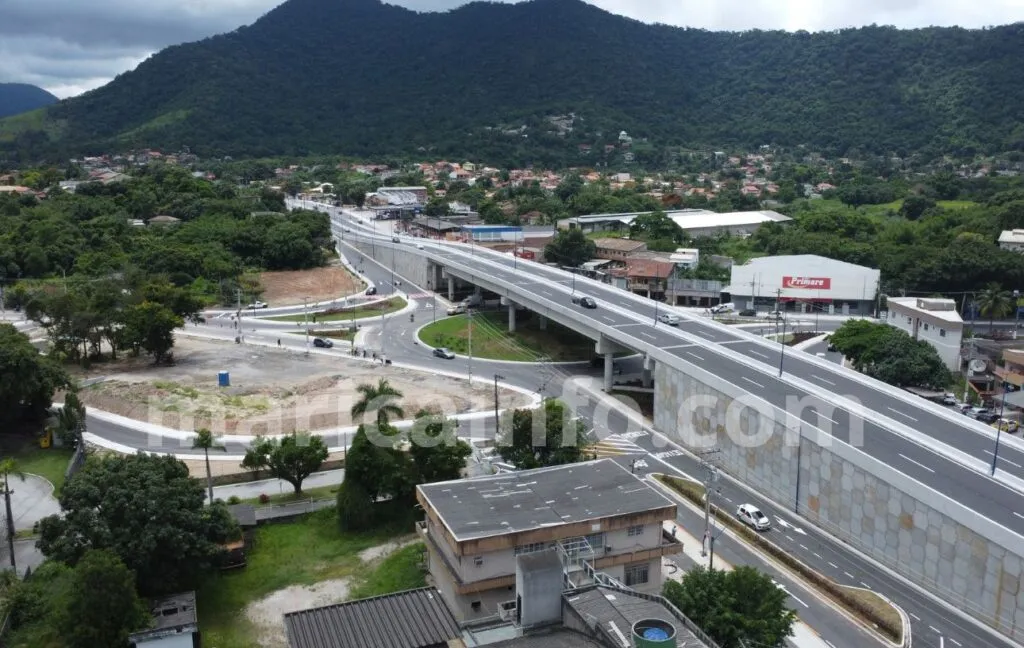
pixel 17 98
pixel 364 78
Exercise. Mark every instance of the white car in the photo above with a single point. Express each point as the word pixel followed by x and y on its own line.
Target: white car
pixel 256 304
pixel 419 246
pixel 753 517
pixel 721 308
pixel 668 318
pixel 774 315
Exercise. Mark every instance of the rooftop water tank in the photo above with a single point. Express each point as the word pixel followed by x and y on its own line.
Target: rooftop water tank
pixel 654 633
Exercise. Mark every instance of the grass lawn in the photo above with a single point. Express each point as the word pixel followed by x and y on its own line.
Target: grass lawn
pixel 492 341
pixel 335 334
pixel 320 492
pixel 46 462
pixel 400 571
pixel 357 312
pixel 304 552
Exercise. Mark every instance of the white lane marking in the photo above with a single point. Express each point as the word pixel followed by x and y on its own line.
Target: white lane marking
pixel 865 585
pixel 690 353
pixel 917 463
pixel 758 353
pixel 804 547
pixel 607 319
pixel 1004 459
pixel 848 574
pixel 790 538
pixel 1018 515
pixel 824 380
pixel 829 644
pixel 901 414
pixel 935 630
pixel 759 385
pixel 833 565
pixel 647 335
pixel 728 499
pixel 955 641
pixel 822 416
pixel 818 556
pixel 916 618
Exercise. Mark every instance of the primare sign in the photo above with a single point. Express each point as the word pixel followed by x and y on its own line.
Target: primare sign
pixel 807 283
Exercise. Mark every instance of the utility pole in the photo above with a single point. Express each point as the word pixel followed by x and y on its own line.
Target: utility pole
pixel 305 320
pixel 238 315
pixel 469 362
pixel 10 524
pixel 497 420
pixel 782 340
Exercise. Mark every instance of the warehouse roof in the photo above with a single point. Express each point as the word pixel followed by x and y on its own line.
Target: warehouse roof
pixel 701 219
pixel 416 618
pixel 530 499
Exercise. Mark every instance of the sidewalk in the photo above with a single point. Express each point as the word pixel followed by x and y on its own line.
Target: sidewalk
pixel 251 490
pixel 804 635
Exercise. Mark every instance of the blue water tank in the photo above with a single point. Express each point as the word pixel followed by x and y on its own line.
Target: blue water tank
pixel 657 634
pixel 223 379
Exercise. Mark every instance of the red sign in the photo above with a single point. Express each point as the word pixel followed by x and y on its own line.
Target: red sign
pixel 526 254
pixel 807 283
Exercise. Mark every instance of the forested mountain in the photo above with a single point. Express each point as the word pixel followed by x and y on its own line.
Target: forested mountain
pixel 365 78
pixel 16 98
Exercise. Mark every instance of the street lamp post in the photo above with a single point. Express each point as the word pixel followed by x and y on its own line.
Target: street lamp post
pixel 497 420
pixel 305 320
pixel 782 341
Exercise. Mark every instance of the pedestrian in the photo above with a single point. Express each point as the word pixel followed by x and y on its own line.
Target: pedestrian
pixel 278 341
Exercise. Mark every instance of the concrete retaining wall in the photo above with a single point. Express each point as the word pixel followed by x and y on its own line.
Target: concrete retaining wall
pixel 953 552
pixel 412 267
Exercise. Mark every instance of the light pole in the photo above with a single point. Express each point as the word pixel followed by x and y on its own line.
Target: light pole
pixel 782 341
pixel 305 320
pixel 433 301
pixel 999 429
pixel 497 420
pixel 469 361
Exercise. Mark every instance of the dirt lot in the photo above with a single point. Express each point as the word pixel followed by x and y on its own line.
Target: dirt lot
pixel 272 391
pixel 289 288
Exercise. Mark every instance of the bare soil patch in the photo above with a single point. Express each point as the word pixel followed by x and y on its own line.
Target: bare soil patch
pixel 288 288
pixel 273 391
pixel 267 614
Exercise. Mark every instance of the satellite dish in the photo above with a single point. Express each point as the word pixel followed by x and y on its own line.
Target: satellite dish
pixel 978 365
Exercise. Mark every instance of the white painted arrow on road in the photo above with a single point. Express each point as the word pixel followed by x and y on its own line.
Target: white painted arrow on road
pixel 788 593
pixel 786 525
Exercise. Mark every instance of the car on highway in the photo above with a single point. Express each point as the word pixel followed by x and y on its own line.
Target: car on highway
pixel 721 308
pixel 774 315
pixel 256 304
pixel 753 517
pixel 322 343
pixel 444 353
pixel 747 312
pixel 457 309
pixel 585 302
pixel 372 290
pixel 668 318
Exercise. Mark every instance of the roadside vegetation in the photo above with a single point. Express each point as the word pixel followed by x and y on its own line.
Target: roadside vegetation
pixel 492 340
pixel 340 314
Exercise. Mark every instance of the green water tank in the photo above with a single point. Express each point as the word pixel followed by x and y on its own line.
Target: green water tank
pixel 654 633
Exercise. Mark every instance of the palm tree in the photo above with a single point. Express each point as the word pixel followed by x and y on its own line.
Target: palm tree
pixel 8 468
pixel 71 419
pixel 205 441
pixel 995 302
pixel 381 397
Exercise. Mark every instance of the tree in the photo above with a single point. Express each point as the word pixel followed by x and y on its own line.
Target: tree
pixel 563 437
pixel 71 419
pixel 9 468
pixel 436 452
pixel 735 608
pixel 256 455
pixel 891 355
pixel 145 508
pixel 101 607
pixel 380 398
pixel 570 248
pixel 291 458
pixel 995 302
pixel 205 441
pixel 150 326
pixel 28 379
pixel 656 226
pixel 356 511
pixel 915 205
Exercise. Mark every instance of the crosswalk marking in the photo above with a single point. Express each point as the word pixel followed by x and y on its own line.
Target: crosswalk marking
pixel 615 446
pixel 422 295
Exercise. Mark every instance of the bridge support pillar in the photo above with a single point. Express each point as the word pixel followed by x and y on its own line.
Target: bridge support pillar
pixel 511 317
pixel 451 288
pixel 609 366
pixel 542 322
pixel 648 372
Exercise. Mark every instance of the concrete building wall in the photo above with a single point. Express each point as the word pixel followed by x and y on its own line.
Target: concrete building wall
pixel 930 539
pixel 413 267
pixel 945 338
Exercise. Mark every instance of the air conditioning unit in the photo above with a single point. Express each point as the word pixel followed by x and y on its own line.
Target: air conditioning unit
pixel 507 610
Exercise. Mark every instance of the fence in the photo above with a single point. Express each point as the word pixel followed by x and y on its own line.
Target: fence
pixel 76 462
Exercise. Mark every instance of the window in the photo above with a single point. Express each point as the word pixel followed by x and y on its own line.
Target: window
pixel 596 541
pixel 635 530
pixel 636 574
pixel 942 332
pixel 478 560
pixel 532 547
pixel 475 605
pixel 926 326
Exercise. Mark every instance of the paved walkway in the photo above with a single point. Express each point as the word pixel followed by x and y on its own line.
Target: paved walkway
pixel 250 490
pixel 31 501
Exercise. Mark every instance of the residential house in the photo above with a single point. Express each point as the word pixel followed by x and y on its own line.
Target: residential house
pixel 617 249
pixel 175 624
pixel 1012 240
pixel 935 321
pixel 645 276
pixel 164 219
pixel 596 514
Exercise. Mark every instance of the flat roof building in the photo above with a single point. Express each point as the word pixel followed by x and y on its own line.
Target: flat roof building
pixel 175 624
pixel 594 512
pixel 804 283
pixel 694 222
pixel 1012 240
pixel 935 321
pixel 617 248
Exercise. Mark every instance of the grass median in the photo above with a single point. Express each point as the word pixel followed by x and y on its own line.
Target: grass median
pixel 493 341
pixel 867 606
pixel 342 315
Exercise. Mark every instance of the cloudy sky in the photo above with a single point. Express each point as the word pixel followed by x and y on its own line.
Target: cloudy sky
pixel 70 46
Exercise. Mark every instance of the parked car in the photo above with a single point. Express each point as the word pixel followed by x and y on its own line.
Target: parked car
pixel 1006 425
pixel 372 290
pixel 458 309
pixel 395 239
pixel 721 308
pixel 988 417
pixel 322 343
pixel 256 304
pixel 668 318
pixel 977 412
pixel 949 399
pixel 831 347
pixel 444 353
pixel 747 312
pixel 753 517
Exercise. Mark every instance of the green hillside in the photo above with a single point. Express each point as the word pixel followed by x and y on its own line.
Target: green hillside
pixel 363 78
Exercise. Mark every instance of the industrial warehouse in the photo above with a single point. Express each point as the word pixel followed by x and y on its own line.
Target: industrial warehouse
pixel 804 283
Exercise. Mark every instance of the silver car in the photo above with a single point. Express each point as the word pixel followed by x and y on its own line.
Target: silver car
pixel 753 517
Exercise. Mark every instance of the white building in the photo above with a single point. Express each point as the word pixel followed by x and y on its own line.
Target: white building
pixel 935 321
pixel 1012 240
pixel 804 283
pixel 694 222
pixel 597 515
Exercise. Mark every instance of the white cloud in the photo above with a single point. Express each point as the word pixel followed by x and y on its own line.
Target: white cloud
pixel 70 46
